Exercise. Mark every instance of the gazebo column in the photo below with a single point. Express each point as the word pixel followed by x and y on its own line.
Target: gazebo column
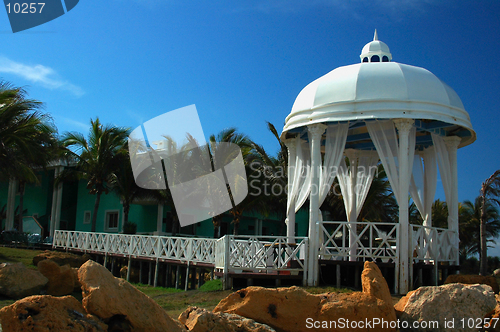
pixel 404 126
pixel 291 144
pixel 315 133
pixel 353 216
pixel 452 143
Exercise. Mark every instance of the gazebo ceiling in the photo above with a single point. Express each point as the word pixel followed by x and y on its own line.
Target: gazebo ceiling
pixel 380 89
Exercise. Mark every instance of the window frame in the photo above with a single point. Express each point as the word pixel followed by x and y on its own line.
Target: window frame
pixel 107 213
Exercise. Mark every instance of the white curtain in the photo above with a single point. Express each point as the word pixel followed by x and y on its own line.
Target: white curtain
pixel 383 135
pixel 301 179
pixel 423 183
pixel 443 160
pixel 336 136
pixel 356 180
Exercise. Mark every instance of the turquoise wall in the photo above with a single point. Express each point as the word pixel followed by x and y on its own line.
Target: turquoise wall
pixel 76 200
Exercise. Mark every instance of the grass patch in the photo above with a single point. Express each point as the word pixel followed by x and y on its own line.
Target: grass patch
pixel 12 255
pixel 176 303
pixel 212 286
pixel 155 291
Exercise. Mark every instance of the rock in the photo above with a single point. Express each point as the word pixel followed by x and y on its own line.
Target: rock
pixel 118 303
pixel 17 281
pixel 471 279
pixel 451 303
pixel 48 313
pixel 293 309
pixel 494 316
pixel 61 258
pixel 61 278
pixel 201 320
pixel 78 286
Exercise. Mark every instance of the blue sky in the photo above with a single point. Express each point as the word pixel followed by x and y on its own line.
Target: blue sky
pixel 243 63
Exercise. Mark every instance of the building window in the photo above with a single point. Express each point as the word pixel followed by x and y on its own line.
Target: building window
pixel 365 59
pixel 86 217
pixel 385 58
pixel 112 220
pixel 375 58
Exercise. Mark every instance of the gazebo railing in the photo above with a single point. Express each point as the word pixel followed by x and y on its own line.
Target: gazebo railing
pixel 261 253
pixel 433 244
pixel 375 241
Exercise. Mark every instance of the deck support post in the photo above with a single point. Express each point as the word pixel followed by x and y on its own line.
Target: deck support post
pixel 150 274
pixel 337 268
pixel 201 277
pixel 186 282
pixel 177 272
pixel 155 283
pixel 140 272
pixel 129 267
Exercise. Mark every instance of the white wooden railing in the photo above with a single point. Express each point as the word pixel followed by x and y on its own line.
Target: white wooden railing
pixel 433 244
pixel 229 253
pixel 375 241
pixel 198 250
pixel 257 253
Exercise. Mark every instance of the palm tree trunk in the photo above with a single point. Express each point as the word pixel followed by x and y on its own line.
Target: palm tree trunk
pixel 126 209
pixel 21 203
pixel 483 267
pixel 96 207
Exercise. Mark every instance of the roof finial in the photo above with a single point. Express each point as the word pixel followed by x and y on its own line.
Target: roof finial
pixel 375 36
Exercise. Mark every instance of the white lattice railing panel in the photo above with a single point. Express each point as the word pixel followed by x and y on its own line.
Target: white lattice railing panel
pixel 433 244
pixel 371 240
pixel 268 253
pixel 162 247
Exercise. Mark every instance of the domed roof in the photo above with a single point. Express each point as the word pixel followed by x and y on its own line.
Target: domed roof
pixel 381 90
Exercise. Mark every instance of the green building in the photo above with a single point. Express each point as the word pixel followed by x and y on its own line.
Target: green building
pixel 69 206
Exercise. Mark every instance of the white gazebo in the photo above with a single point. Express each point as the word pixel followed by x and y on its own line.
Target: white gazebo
pixel 375 110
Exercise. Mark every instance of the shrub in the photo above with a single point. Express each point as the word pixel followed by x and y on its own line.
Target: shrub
pixel 212 286
pixel 129 228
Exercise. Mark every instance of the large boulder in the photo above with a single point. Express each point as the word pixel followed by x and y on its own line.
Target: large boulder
pixel 448 307
pixel 118 303
pixel 494 316
pixel 61 258
pixel 293 309
pixel 472 279
pixel 61 278
pixel 17 281
pixel 201 320
pixel 48 313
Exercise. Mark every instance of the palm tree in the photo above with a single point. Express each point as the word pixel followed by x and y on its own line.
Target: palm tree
pixel 27 139
pixel 489 194
pixel 268 178
pixel 122 183
pixel 98 157
pixel 470 216
pixel 218 147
